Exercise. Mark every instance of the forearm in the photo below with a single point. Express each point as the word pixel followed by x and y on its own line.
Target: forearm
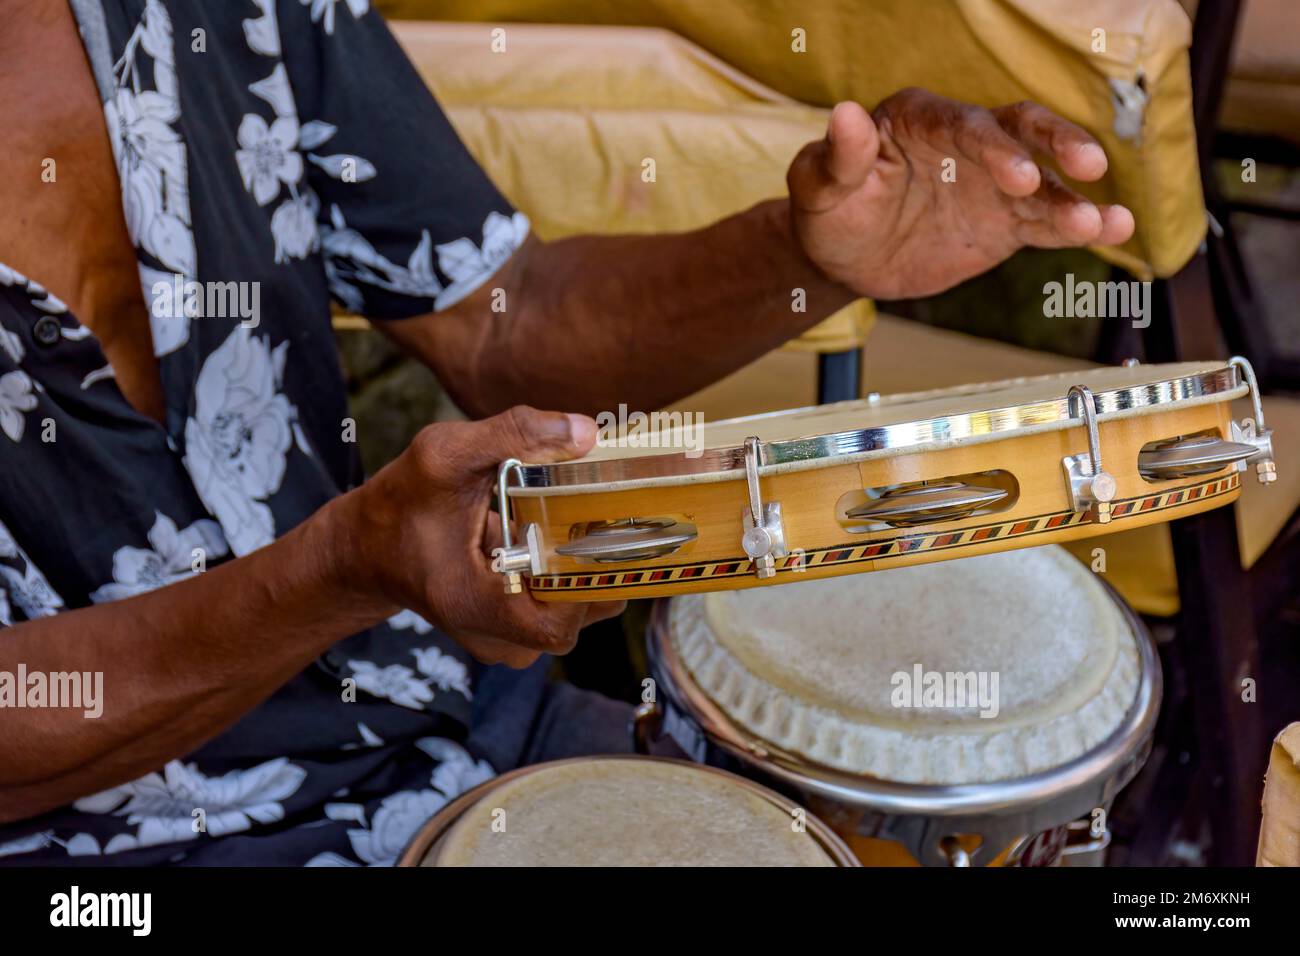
pixel 179 664
pixel 593 321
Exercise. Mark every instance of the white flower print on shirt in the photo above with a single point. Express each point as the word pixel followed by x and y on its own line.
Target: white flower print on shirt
pixel 237 441
pixel 395 682
pixel 163 804
pixel 27 587
pixel 11 345
pixel 169 559
pixel 400 814
pixel 322 11
pixel 170 327
pixel 30 592
pixel 27 844
pixel 277 92
pixel 293 226
pixel 269 161
pixel 408 618
pixel 395 822
pixel 351 261
pixel 263 33
pixel 469 266
pixel 446 672
pixel 268 155
pixel 16 398
pixel 36 293
pixel 152 163
pixel 149 154
pixel 457 771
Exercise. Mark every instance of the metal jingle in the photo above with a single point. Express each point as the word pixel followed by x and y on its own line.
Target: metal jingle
pixel 906 506
pixel 1191 457
pixel 625 525
pixel 631 542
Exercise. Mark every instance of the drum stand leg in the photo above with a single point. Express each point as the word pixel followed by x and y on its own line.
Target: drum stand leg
pixel 839 376
pixel 1217 633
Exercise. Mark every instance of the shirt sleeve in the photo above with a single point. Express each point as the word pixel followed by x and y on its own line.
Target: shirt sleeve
pixel 408 221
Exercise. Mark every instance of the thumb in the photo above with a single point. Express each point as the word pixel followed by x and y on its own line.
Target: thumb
pixel 826 171
pixel 853 144
pixel 532 436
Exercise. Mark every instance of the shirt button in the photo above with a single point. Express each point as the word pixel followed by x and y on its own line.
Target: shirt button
pixel 47 330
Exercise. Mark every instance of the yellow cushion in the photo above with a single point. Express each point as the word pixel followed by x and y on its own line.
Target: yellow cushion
pixel 566 119
pixel 1279 831
pixel 984 51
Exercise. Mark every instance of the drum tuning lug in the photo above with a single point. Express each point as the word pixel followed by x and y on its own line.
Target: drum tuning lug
pixel 954 853
pixel 1092 488
pixel 763 539
pixel 512 560
pixel 1253 432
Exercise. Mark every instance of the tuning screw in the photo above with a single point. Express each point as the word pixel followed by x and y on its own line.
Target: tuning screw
pixel 1266 471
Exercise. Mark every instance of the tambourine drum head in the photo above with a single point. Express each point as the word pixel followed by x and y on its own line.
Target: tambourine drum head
pixel 989 668
pixel 626 811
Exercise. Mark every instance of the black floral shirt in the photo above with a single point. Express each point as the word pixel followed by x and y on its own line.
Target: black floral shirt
pixel 272 154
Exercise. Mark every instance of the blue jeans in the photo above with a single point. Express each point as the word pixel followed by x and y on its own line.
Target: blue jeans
pixel 520 717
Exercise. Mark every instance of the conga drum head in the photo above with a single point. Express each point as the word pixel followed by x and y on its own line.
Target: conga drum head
pixel 989 668
pixel 1003 698
pixel 624 811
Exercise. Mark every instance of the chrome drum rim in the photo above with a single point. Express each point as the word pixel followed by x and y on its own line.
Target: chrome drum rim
pixel 983 424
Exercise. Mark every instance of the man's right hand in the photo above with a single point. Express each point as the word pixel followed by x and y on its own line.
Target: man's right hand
pixel 422 530
pixel 183 662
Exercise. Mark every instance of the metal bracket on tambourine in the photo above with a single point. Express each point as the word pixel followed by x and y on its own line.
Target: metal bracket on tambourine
pixel 764 536
pixel 1092 488
pixel 513 560
pixel 1253 432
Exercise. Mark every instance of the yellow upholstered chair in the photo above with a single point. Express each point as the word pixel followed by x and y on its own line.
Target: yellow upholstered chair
pixel 1115 67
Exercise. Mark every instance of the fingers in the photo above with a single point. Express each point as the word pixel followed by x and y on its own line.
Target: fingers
pixel 495 650
pixel 460 449
pixel 982 140
pixel 603 611
pixel 1073 148
pixel 1057 217
pixel 826 171
pixel 491 650
pixel 1117 225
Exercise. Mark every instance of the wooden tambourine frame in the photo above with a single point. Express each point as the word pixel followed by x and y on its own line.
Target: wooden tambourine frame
pixel 926 477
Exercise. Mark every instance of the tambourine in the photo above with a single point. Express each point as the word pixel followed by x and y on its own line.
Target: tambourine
pixel 881 482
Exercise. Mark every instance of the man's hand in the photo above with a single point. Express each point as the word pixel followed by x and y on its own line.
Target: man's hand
pixel 424 531
pixel 872 210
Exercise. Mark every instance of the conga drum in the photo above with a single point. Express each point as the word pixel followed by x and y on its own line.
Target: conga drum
pixel 624 811
pixel 964 712
pixel 881 483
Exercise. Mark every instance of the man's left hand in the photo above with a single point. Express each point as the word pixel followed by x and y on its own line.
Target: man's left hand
pixel 873 210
